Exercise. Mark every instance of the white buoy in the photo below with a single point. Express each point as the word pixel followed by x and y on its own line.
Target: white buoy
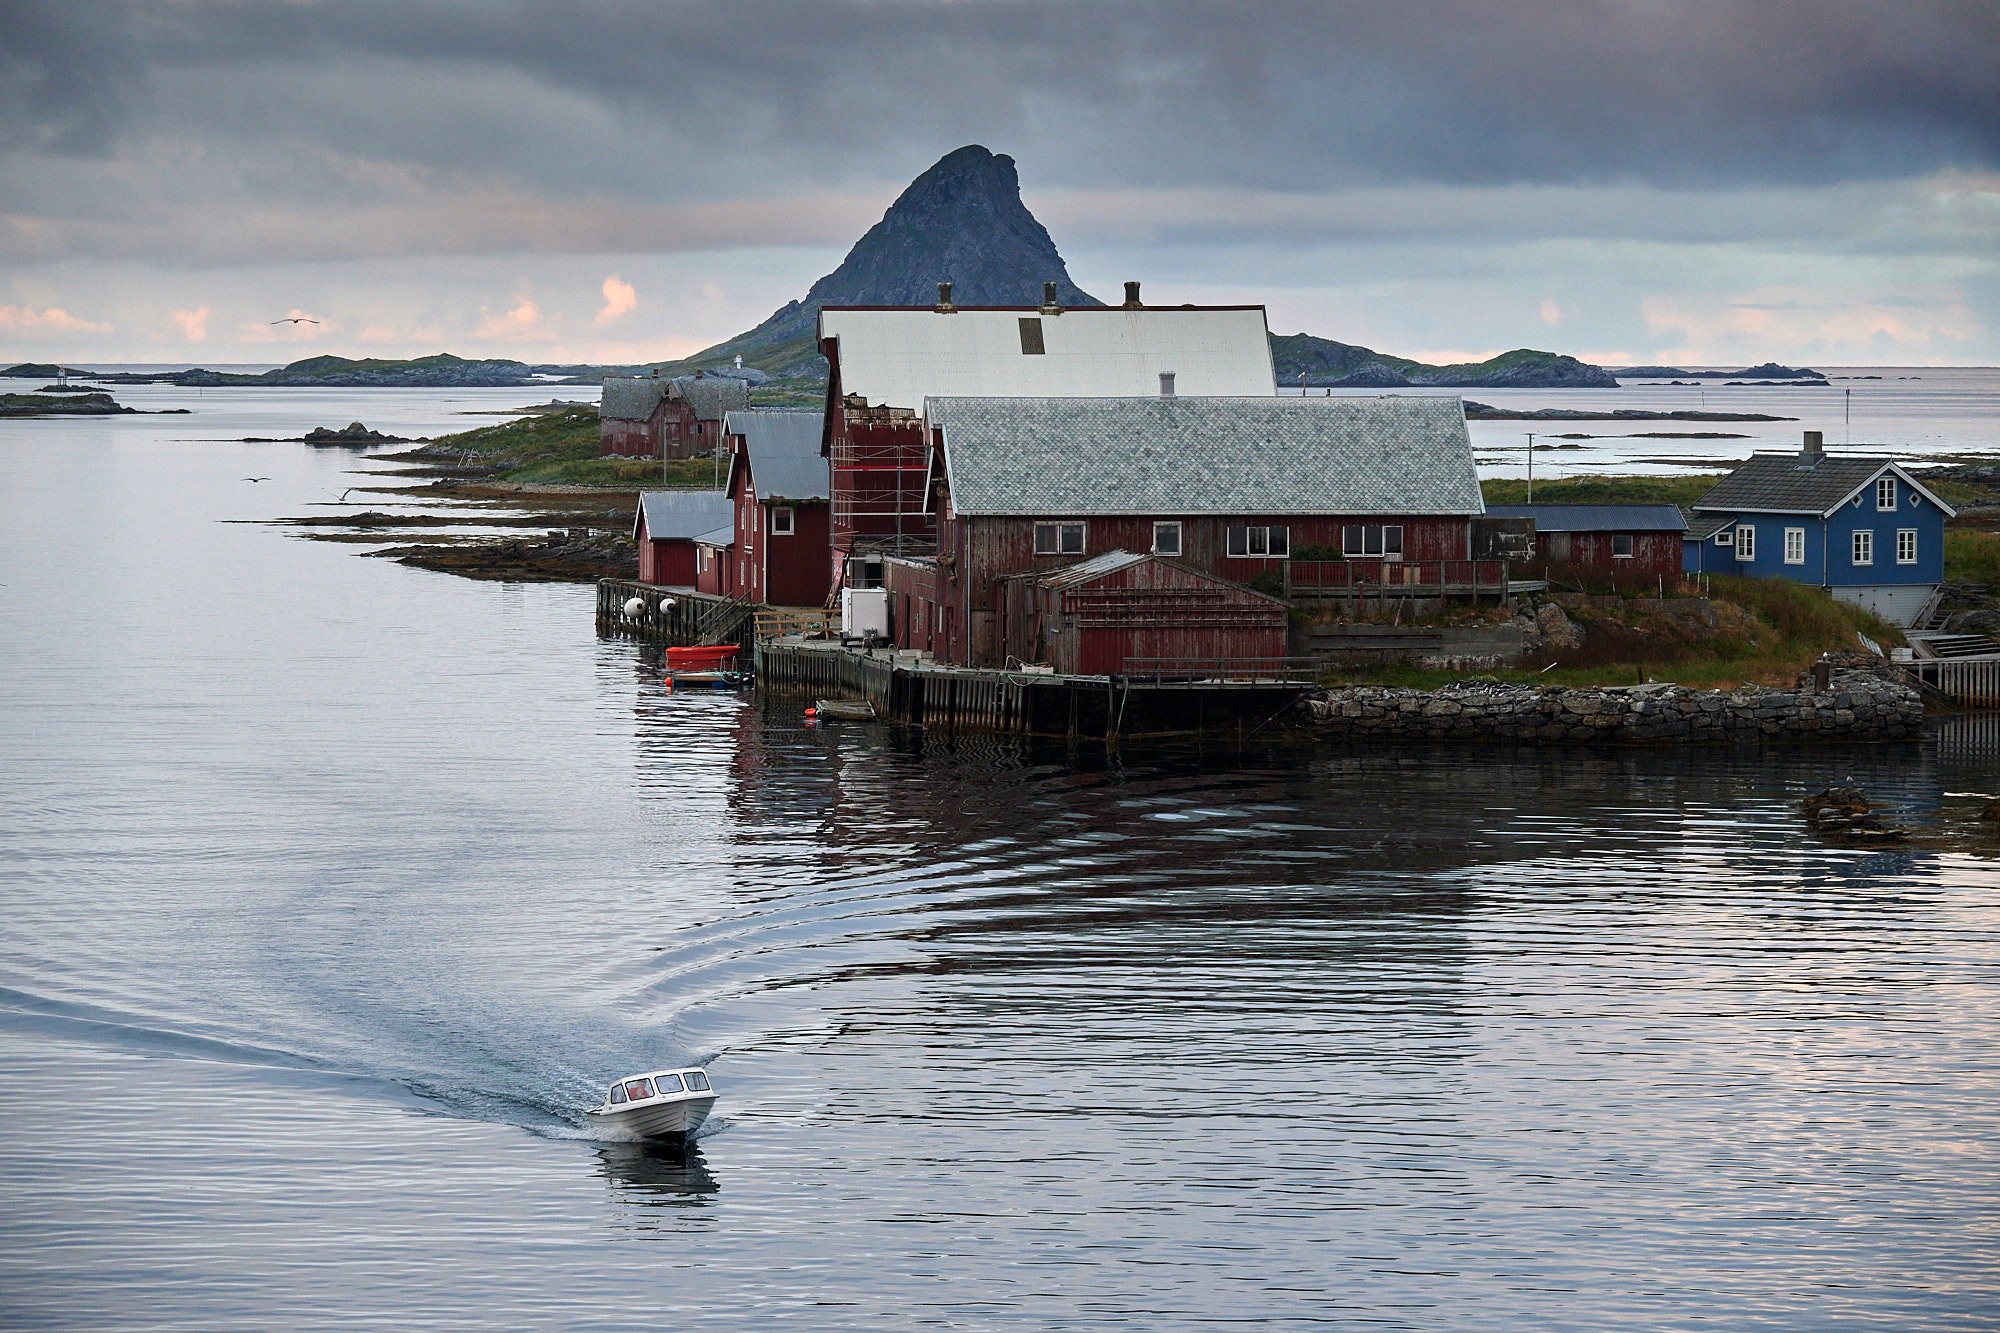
pixel 635 607
pixel 665 602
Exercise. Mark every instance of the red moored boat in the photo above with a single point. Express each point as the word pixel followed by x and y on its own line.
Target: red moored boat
pixel 706 664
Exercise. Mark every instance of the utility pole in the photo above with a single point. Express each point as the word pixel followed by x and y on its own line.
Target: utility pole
pixel 1531 467
pixel 1847 416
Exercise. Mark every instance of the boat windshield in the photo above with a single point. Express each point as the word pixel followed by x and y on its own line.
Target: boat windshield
pixel 669 1083
pixel 639 1088
pixel 697 1080
pixel 617 1094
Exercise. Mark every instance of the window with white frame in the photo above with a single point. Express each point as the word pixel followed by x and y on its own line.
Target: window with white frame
pixel 1906 546
pixel 781 520
pixel 1058 539
pixel 1724 538
pixel 1885 495
pixel 1864 548
pixel 1167 538
pixel 1795 546
pixel 1621 546
pixel 1746 542
pixel 1254 542
pixel 1377 541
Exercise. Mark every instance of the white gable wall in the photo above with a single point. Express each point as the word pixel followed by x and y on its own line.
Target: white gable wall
pixel 897 358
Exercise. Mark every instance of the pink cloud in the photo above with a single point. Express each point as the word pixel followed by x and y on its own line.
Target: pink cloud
pixel 194 323
pixel 524 319
pixel 54 319
pixel 619 298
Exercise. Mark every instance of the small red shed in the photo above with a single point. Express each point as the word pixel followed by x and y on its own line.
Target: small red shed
pixel 1622 543
pixel 779 488
pixel 1101 616
pixel 665 528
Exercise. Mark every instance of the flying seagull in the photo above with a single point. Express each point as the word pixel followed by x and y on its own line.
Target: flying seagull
pixel 256 479
pixel 295 319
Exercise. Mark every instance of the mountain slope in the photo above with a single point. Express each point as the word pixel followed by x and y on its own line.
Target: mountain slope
pixel 960 222
pixel 1300 358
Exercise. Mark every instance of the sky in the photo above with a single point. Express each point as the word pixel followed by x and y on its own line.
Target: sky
pixel 1695 182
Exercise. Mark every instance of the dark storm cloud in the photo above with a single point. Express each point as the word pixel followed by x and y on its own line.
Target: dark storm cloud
pixel 1279 95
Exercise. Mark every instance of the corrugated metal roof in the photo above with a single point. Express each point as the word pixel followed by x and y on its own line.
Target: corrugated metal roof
pixel 724 537
pixel 1096 567
pixel 1236 456
pixel 1786 484
pixel 713 396
pixel 1595 518
pixel 783 449
pixel 899 357
pixel 629 399
pixel 682 515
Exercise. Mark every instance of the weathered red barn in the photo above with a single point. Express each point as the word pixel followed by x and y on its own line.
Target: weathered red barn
pixel 1231 487
pixel 885 361
pixel 666 527
pixel 715 562
pixel 779 491
pixel 651 417
pixel 1639 543
pixel 1122 611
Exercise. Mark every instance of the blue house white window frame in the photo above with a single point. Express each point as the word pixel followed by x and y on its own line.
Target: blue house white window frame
pixel 1864 547
pixel 1746 542
pixel 1906 546
pixel 1795 546
pixel 1885 495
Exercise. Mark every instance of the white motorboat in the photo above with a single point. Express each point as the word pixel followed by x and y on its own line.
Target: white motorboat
pixel 663 1104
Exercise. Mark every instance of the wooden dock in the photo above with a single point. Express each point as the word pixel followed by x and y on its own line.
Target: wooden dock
pixel 677 616
pixel 904 688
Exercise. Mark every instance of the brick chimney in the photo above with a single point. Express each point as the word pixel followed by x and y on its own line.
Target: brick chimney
pixel 1814 448
pixel 1132 296
pixel 1050 306
pixel 944 305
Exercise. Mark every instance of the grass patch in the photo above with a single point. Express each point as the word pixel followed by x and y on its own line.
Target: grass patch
pixel 561 449
pixel 1600 490
pixel 1765 631
pixel 1972 556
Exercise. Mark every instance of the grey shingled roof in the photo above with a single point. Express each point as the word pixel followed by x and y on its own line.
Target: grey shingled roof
pixel 1786 484
pixel 1595 518
pixel 785 460
pixel 1237 456
pixel 631 399
pixel 682 515
pixel 713 396
pixel 1703 526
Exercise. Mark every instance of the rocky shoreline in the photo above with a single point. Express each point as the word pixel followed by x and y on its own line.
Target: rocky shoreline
pixel 1859 705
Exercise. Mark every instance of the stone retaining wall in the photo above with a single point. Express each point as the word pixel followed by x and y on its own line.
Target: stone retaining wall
pixel 1861 705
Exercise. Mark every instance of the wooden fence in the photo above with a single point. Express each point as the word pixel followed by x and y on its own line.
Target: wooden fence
pixel 1394 578
pixel 1973 682
pixel 678 616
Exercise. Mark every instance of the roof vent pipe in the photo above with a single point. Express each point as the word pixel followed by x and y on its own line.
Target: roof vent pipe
pixel 1166 384
pixel 1815 447
pixel 1132 296
pixel 1050 306
pixel 944 305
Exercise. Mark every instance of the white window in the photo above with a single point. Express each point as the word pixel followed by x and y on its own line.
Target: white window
pixel 781 520
pixel 1258 543
pixel 1723 538
pixel 1906 546
pixel 1885 495
pixel 1864 548
pixel 1621 546
pixel 1795 546
pixel 1167 538
pixel 1372 541
pixel 1746 542
pixel 1058 539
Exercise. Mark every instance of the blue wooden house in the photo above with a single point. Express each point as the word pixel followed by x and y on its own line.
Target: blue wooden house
pixel 1862 528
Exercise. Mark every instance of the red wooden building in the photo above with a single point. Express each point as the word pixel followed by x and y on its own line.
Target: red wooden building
pixel 651 417
pixel 1120 611
pixel 884 361
pixel 1233 488
pixel 778 489
pixel 1637 543
pixel 666 527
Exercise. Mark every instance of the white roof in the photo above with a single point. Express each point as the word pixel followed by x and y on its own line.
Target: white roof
pixel 897 357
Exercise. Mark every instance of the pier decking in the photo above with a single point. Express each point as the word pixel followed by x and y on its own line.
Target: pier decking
pixel 1168 699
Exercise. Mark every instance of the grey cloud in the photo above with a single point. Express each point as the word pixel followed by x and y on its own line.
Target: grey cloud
pixel 1174 91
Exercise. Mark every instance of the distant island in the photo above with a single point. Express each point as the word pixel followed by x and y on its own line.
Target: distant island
pixel 1320 363
pixel 65 404
pixel 1486 412
pixel 1770 370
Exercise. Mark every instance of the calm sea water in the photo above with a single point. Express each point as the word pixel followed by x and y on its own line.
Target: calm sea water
pixel 334 890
